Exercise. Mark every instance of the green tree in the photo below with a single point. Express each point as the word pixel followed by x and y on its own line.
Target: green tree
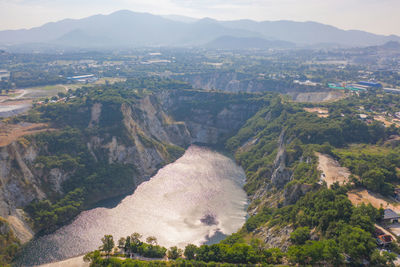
pixel 300 235
pixel 174 253
pixel 190 252
pixel 108 244
pixel 152 240
pixel 357 243
pixel 382 259
pixel 122 242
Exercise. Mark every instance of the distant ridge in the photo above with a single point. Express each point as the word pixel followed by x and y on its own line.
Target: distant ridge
pixel 131 29
pixel 231 42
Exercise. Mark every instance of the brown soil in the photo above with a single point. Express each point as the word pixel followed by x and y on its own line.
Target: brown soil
pixel 332 171
pixel 359 196
pixel 12 132
pixel 321 112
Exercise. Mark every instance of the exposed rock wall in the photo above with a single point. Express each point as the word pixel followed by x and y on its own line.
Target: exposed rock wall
pixel 150 126
pixel 207 125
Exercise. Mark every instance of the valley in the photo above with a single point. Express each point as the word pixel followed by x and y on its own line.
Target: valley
pixel 236 157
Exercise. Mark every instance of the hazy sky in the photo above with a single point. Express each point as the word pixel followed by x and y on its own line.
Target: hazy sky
pixel 378 16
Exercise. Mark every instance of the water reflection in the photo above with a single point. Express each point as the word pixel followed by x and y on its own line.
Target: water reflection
pixel 197 199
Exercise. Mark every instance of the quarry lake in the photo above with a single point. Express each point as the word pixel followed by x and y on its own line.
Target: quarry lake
pixel 197 199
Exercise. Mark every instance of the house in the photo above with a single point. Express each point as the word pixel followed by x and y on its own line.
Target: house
pixel 390 216
pixel 384 240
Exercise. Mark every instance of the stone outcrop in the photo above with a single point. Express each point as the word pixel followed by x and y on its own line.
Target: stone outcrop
pixel 275 237
pixel 281 175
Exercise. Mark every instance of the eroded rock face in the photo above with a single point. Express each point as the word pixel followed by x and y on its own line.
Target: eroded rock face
pixel 275 237
pixel 281 175
pixel 206 125
pixel 18 184
pixel 150 125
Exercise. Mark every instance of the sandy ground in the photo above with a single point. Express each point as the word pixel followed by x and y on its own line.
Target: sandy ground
pixel 73 262
pixel 11 132
pixel 321 112
pixel 359 196
pixel 332 171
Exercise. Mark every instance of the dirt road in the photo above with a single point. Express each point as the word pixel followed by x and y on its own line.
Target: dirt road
pixel 331 170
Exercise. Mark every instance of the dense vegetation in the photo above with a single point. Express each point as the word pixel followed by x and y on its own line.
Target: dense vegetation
pixel 232 250
pixel 300 131
pixel 375 168
pixel 327 227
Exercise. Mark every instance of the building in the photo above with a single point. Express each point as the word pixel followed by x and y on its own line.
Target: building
pixel 83 78
pixel 370 84
pixel 344 86
pixel 384 240
pixel 390 216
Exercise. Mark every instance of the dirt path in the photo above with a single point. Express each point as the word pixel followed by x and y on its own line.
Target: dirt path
pixel 331 170
pixel 21 93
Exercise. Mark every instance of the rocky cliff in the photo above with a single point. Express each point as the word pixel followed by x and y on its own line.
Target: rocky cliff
pixel 154 127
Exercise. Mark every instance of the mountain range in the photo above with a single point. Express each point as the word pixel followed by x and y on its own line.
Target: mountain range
pixel 130 29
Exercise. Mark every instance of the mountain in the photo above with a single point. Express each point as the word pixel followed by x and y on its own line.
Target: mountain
pixel 235 43
pixel 310 33
pixel 130 29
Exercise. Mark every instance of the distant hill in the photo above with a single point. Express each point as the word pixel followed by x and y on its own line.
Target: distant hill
pixel 392 45
pixel 310 33
pixel 231 42
pixel 130 29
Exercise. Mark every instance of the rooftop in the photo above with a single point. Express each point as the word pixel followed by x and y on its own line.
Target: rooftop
pixel 390 214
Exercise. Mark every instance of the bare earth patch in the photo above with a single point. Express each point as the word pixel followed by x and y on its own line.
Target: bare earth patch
pixel 321 112
pixel 332 172
pixel 11 132
pixel 359 196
